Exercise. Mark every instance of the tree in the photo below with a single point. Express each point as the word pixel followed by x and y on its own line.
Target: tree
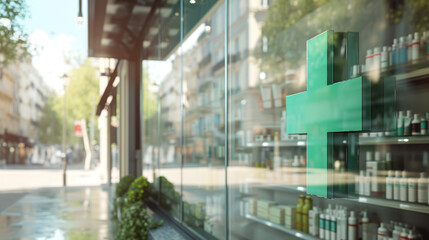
pixel 13 40
pixel 50 122
pixel 83 87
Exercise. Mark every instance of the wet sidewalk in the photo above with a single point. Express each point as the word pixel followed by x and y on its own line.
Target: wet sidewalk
pixel 59 213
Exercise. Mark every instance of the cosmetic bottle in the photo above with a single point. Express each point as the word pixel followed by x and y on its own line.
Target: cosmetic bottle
pixel 389 53
pixel 415 48
pixel 423 45
pixel 403 50
pixel 328 222
pixel 362 183
pixel 396 232
pixel 305 210
pixel 422 189
pixel 342 226
pixel 382 233
pixel 403 187
pixel 376 59
pixel 352 226
pixel 412 190
pixel 396 185
pixel 404 234
pixel 389 185
pixel 424 125
pixel 364 224
pixel 384 60
pixel 388 161
pixel 322 225
pixel 409 41
pixel 415 125
pixel 395 52
pixel 333 227
pixel 368 61
pixel 407 123
pixel 400 124
pixel 367 183
pixel 299 212
pixel 412 235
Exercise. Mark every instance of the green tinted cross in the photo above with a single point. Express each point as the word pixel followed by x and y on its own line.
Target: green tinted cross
pixel 325 108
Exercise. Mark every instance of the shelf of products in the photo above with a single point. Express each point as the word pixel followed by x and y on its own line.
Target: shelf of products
pixel 394 140
pixel 408 206
pixel 289 231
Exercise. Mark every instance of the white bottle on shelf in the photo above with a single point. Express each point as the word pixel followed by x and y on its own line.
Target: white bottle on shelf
pixel 396 232
pixel 328 223
pixel 404 233
pixel 362 183
pixel 403 187
pixel 367 184
pixel 382 233
pixel 368 61
pixel 412 190
pixel 389 185
pixel 389 51
pixel 322 225
pixel 400 124
pixel 415 125
pixel 364 226
pixel 376 59
pixel 422 189
pixel 396 185
pixel 412 235
pixel 384 60
pixel 352 226
pixel 409 47
pixel 415 48
pixel 342 226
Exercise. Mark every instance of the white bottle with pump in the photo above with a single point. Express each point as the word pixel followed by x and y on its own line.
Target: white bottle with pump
pixel 396 185
pixel 403 187
pixel 415 48
pixel 382 233
pixel 412 190
pixel 389 185
pixel 422 189
pixel 364 226
pixel 396 232
pixel 404 234
pixel 352 226
pixel 412 235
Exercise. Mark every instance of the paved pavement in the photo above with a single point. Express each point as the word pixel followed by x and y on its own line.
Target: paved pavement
pixel 59 213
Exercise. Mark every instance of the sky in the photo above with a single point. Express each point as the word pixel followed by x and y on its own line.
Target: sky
pixel 54 32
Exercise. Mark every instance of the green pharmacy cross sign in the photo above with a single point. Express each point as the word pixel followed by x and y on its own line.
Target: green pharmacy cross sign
pixel 325 108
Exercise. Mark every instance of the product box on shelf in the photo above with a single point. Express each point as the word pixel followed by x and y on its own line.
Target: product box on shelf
pixel 263 208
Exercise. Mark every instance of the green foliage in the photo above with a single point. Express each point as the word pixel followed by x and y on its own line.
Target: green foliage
pixel 13 40
pixel 124 185
pixel 139 191
pixel 136 223
pixel 169 195
pixel 50 122
pixel 82 95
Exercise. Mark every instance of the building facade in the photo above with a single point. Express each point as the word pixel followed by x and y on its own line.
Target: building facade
pixel 278 119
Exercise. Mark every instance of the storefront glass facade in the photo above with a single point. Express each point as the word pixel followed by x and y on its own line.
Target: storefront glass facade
pixel 304 120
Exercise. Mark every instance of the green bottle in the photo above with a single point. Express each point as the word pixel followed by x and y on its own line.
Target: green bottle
pixel 299 212
pixel 305 210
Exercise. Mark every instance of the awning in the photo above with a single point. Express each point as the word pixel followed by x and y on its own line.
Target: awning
pixel 131 29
